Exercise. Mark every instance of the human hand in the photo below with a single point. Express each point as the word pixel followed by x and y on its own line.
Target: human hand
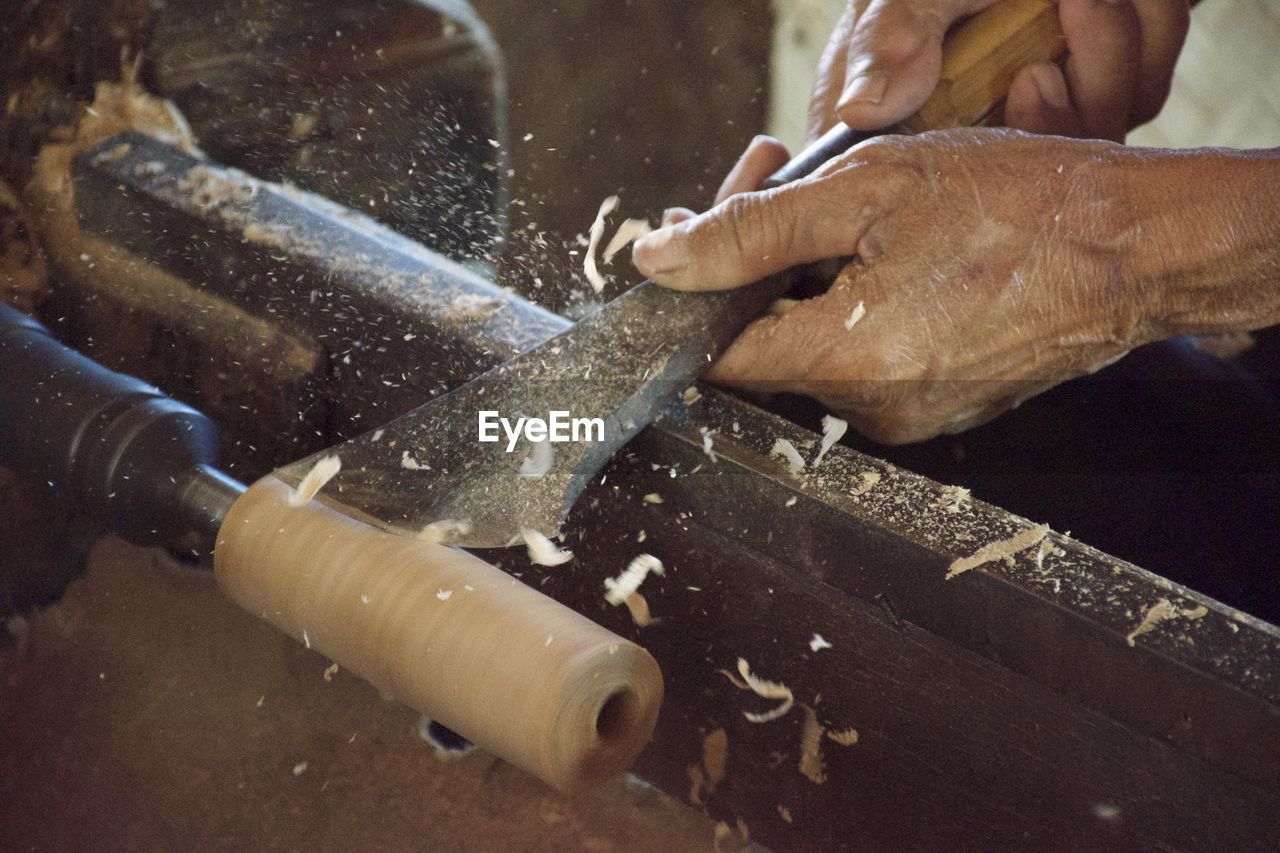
pixel 991 265
pixel 885 56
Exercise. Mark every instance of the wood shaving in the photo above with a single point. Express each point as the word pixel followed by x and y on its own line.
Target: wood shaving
pixel 812 766
pixel 767 690
pixel 844 737
pixel 866 482
pixel 325 469
pixel 833 429
pixel 786 451
pixel 618 589
pixel 628 231
pixel 539 461
pixel 542 550
pixel 1005 549
pixel 690 396
pixel 784 813
pixel 817 644
pixel 859 311
pixel 706 443
pixel 652 498
pixel 715 758
pixel 330 671
pixel 407 461
pixel 638 607
pixel 444 594
pixel 445 531
pixel 723 831
pixel 597 231
pixel 1162 611
pixel 953 499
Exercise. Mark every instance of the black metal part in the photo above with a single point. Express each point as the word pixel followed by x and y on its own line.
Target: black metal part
pixel 108 445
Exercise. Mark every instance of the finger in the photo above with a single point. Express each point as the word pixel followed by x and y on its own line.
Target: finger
pixel 1104 60
pixel 1039 102
pixel 753 235
pixel 672 215
pixel 829 82
pixel 1164 25
pixel 895 58
pixel 764 156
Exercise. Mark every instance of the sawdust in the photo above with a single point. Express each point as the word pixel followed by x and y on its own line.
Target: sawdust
pixel 445 531
pixel 833 429
pixel 1005 549
pixel 859 311
pixel 638 607
pixel 629 231
pixel 1162 611
pixel 589 267
pixel 618 589
pixel 844 737
pixel 953 499
pixel 786 451
pixel 812 765
pixel 542 550
pixel 708 775
pixel 325 469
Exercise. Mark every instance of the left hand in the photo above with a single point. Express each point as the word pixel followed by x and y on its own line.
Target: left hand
pixel 991 265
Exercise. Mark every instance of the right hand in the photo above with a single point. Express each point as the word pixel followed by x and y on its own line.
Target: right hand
pixel 885 57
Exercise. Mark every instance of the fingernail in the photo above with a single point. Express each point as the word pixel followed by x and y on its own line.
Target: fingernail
pixel 1051 86
pixel 659 254
pixel 866 88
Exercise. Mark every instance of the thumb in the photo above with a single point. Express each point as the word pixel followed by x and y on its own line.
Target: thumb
pixel 895 59
pixel 753 235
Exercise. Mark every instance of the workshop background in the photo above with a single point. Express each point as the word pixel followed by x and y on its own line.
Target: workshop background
pixel 141 710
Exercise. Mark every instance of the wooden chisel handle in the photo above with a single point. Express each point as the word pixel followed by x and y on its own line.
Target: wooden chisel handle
pixel 980 58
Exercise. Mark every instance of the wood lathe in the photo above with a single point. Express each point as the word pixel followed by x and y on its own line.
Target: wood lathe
pixel 353 324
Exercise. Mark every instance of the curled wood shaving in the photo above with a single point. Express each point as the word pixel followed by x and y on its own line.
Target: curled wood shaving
pixel 833 429
pixel 629 230
pixel 859 311
pixel 618 589
pixel 690 396
pixel 817 644
pixel 844 737
pixel 542 550
pixel 706 443
pixel 330 671
pixel 787 452
pixel 445 531
pixel 1002 550
pixel 811 764
pixel 767 690
pixel 597 231
pixel 1162 611
pixel 539 460
pixel 325 469
pixel 638 606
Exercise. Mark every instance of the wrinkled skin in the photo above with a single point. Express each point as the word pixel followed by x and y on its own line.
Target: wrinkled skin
pixel 884 58
pixel 992 265
pixel 986 274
